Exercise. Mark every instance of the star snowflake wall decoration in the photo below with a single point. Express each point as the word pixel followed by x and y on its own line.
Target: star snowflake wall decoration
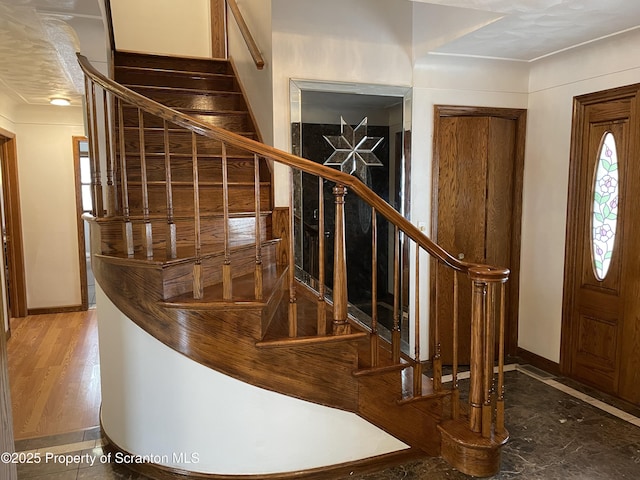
pixel 353 149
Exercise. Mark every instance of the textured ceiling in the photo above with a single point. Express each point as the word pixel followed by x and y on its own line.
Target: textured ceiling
pixel 38 46
pixel 39 38
pixel 527 30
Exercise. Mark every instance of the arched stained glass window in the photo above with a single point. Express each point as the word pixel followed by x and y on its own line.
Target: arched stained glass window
pixel 604 220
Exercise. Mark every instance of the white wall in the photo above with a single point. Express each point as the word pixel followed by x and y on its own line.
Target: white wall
pixel 163 27
pixel 257 84
pixel 7 113
pixel 554 82
pixel 363 41
pixel 155 401
pixel 47 200
pixel 442 80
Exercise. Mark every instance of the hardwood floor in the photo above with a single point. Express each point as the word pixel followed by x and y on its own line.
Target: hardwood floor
pixel 54 373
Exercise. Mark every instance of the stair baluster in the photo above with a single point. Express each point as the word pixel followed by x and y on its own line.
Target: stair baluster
pixel 227 282
pixel 96 182
pixel 395 333
pixel 198 273
pixel 340 296
pixel 293 308
pixel 455 391
pixel 374 338
pixel 417 369
pixel 500 387
pixel 258 271
pixel 436 359
pixel 172 247
pixel 111 187
pixel 322 307
pixel 126 214
pixel 147 227
pixel 489 355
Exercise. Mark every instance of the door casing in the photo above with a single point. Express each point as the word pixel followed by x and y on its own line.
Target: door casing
pixel 15 252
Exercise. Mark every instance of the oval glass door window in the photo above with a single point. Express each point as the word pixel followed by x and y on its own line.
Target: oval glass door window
pixel 604 220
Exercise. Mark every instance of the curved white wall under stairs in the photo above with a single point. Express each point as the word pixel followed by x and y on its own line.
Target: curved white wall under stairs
pixel 157 402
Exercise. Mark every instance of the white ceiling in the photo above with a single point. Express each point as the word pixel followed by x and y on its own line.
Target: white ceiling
pixel 527 30
pixel 38 41
pixel 38 38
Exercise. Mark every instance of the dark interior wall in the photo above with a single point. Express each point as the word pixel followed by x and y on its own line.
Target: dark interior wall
pixel 358 216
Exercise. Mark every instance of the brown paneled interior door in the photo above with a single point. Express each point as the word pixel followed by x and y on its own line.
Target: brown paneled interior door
pixel 601 337
pixel 476 157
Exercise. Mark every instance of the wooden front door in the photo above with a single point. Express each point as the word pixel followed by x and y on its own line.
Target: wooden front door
pixel 601 321
pixel 477 167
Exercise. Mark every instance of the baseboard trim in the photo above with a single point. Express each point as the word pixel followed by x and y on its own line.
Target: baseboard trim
pixel 538 362
pixel 50 310
pixel 360 467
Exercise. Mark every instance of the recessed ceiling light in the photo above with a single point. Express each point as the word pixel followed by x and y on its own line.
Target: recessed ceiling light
pixel 62 102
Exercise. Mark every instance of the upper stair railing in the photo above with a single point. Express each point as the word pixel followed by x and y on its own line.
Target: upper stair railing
pixel 107 100
pixel 246 34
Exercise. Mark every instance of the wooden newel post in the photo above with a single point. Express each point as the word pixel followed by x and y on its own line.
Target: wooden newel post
pixel 340 297
pixel 478 299
pixel 484 313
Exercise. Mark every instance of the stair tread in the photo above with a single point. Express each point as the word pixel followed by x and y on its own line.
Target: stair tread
pixel 153 62
pixel 187 254
pixel 427 387
pixel 156 217
pixel 182 90
pixel 307 319
pixel 173 71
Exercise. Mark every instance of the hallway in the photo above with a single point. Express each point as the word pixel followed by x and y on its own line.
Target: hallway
pixel 559 429
pixel 54 371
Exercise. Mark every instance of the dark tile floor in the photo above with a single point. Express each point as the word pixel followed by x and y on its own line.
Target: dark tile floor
pixel 554 435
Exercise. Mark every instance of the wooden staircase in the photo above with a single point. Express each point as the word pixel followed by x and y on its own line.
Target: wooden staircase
pixel 187 243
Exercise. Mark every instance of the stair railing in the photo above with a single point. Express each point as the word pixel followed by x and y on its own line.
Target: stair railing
pixel 485 416
pixel 246 34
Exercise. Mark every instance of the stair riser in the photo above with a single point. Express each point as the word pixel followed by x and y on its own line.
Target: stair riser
pixel 173 63
pixel 415 423
pixel 241 232
pixel 178 279
pixel 241 199
pixel 207 102
pixel 238 122
pixel 209 169
pixel 180 141
pixel 130 77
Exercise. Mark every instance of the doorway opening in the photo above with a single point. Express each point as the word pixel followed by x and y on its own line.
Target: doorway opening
pixel 324 116
pixel 84 204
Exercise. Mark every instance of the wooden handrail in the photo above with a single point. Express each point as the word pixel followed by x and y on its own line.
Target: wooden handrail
pixel 353 184
pixel 246 34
